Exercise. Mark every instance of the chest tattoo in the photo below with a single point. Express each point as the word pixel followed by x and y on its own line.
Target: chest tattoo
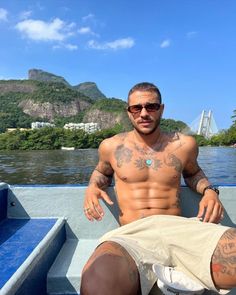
pixel 123 155
pixel 172 161
pixel 148 151
pixel 141 163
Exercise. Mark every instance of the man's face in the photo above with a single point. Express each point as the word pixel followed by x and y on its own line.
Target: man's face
pixel 146 120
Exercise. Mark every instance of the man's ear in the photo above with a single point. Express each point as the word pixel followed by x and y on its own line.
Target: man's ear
pixel 162 109
pixel 129 115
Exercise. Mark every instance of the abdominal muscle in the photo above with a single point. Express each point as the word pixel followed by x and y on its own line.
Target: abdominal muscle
pixel 129 216
pixel 138 204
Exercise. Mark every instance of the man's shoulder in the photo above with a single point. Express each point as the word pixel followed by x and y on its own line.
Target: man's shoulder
pixel 175 136
pixel 115 140
pixel 182 140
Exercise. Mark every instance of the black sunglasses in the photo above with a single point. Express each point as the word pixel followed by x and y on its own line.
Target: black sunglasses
pixel 149 107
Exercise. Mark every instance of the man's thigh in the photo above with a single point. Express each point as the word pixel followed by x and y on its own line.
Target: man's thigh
pixel 223 266
pixel 114 268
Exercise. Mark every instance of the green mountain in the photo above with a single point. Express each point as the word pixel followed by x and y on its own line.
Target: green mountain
pixel 40 75
pixel 26 101
pixel 47 97
pixel 90 89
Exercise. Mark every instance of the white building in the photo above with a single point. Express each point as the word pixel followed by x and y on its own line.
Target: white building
pixel 87 127
pixel 37 125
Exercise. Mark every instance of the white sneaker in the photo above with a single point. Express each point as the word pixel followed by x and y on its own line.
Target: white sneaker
pixel 171 281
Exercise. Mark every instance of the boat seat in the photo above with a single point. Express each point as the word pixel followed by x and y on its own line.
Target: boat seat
pixel 23 244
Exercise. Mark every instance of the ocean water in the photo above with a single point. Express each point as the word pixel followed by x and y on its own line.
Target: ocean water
pixel 75 167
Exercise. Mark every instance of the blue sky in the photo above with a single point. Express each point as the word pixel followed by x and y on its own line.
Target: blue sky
pixel 186 47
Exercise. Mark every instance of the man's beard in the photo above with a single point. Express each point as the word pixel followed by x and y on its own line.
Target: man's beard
pixel 157 123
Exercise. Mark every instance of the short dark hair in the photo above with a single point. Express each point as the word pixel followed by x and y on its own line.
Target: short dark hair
pixel 145 86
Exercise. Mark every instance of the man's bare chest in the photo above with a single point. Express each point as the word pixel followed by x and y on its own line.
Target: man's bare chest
pixel 141 165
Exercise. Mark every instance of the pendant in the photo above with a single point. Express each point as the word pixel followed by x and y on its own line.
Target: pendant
pixel 148 162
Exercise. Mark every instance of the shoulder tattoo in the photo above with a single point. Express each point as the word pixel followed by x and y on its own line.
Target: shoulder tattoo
pixel 123 155
pixel 172 161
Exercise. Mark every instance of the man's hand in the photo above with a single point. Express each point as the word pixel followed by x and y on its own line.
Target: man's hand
pixel 210 208
pixel 92 208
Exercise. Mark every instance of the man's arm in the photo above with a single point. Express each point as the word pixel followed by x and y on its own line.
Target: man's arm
pixel 194 177
pixel 100 179
pixel 210 207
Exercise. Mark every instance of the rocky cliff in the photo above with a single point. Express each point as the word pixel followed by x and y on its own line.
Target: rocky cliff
pixel 48 97
pixel 106 119
pixel 47 110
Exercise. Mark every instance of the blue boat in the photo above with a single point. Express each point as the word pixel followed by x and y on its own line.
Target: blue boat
pixel 45 239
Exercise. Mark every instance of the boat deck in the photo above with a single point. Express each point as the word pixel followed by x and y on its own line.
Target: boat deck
pixel 45 238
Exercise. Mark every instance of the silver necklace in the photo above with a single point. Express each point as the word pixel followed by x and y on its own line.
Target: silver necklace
pixel 148 152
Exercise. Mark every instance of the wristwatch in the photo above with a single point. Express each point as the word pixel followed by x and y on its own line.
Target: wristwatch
pixel 212 188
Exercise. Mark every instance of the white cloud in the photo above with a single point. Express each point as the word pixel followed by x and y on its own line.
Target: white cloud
pixel 70 47
pixel 115 45
pixel 191 34
pixel 87 17
pixel 3 14
pixel 25 14
pixel 165 43
pixel 38 30
pixel 85 30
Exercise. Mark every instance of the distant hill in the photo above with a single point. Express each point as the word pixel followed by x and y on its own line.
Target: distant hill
pixel 47 97
pixel 40 75
pixel 50 98
pixel 90 89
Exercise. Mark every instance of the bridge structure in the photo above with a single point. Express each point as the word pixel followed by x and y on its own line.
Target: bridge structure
pixel 204 125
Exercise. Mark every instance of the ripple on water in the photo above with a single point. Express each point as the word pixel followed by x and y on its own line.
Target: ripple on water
pixel 75 167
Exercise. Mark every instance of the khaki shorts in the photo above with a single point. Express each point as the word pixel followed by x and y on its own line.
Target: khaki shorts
pixel 184 243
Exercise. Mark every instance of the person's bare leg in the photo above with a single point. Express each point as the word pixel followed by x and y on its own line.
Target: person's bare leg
pixel 223 266
pixel 110 270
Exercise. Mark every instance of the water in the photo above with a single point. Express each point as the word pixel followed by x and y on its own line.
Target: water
pixel 47 167
pixel 75 167
pixel 219 164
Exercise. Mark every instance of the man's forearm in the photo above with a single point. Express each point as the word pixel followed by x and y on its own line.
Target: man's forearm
pixel 100 180
pixel 197 182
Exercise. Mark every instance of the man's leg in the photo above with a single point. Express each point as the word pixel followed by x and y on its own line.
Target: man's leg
pixel 110 270
pixel 223 266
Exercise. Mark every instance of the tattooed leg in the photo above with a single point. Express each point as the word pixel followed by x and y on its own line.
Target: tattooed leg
pixel 223 266
pixel 110 270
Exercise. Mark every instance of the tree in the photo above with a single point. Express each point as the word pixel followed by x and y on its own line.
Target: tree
pixel 234 117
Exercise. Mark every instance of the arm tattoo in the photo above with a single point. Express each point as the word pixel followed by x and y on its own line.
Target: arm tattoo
pixel 224 257
pixel 195 178
pixel 101 179
pixel 122 155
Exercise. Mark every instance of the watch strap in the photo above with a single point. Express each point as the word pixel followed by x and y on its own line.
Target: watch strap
pixel 212 188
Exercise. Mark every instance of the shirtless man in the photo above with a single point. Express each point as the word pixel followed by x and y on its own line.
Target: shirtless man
pixel 147 165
